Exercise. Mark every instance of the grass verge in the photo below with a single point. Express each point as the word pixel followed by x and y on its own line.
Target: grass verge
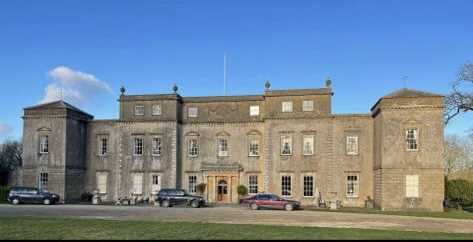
pixel 54 228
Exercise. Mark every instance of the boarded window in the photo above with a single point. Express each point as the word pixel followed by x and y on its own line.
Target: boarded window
pixel 308 142
pixel 192 112
pixel 102 182
pixel 412 186
pixel 254 110
pixel 352 145
pixel 156 110
pixel 138 183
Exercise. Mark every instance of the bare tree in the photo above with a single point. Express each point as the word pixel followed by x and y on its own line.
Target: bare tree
pixel 454 154
pixel 460 100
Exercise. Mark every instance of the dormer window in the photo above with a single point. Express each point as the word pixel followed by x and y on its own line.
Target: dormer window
pixel 139 110
pixel 287 107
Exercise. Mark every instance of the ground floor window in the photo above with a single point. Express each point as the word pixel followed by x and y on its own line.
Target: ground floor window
pixel 102 182
pixel 138 184
pixel 352 185
pixel 155 184
pixel 308 186
pixel 286 190
pixel 412 186
pixel 192 184
pixel 43 180
pixel 253 184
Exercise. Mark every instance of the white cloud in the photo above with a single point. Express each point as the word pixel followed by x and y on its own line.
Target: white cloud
pixel 73 86
pixel 5 130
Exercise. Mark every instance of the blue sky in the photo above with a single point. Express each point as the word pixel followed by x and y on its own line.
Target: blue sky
pixel 366 47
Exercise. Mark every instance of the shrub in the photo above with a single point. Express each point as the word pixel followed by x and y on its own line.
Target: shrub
pixel 459 191
pixel 242 190
pixel 4 193
pixel 201 188
pixel 86 197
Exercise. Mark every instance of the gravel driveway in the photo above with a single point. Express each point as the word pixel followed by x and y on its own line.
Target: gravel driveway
pixel 237 215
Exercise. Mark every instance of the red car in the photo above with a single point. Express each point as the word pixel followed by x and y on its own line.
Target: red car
pixel 270 201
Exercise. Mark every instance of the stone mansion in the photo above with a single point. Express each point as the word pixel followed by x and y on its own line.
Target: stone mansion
pixel 286 142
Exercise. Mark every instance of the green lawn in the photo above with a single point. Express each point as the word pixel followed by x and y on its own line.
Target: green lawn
pixel 449 213
pixel 52 228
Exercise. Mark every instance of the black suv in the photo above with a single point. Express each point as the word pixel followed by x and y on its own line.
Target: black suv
pixel 171 197
pixel 19 195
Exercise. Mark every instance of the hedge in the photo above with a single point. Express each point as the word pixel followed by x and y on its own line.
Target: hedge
pixel 460 191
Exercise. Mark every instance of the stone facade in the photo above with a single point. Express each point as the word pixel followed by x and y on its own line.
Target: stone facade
pixel 168 141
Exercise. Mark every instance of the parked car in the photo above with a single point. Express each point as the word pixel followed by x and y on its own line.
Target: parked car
pixel 171 197
pixel 19 195
pixel 270 201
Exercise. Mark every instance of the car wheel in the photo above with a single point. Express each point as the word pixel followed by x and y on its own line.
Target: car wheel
pixel 165 204
pixel 47 202
pixel 254 206
pixel 15 201
pixel 195 204
pixel 289 207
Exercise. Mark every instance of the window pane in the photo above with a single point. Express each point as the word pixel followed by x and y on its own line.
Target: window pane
pixel 411 138
pixel 157 146
pixel 286 145
pixel 192 184
pixel 138 146
pixel 222 147
pixel 44 144
pixel 193 148
pixel 308 105
pixel 254 147
pixel 352 186
pixel 308 186
pixel 308 148
pixel 139 110
pixel 286 186
pixel 138 184
pixel 254 110
pixel 253 184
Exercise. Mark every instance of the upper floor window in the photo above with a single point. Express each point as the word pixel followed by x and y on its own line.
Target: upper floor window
pixel 412 186
pixel 308 145
pixel 254 110
pixel 138 146
pixel 156 110
pixel 286 107
pixel 193 148
pixel 222 147
pixel 412 138
pixel 192 112
pixel 103 145
pixel 352 186
pixel 307 105
pixel 157 146
pixel 286 145
pixel 44 144
pixel 139 110
pixel 254 147
pixel 352 145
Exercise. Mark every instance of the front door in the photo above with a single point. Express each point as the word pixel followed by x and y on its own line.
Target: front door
pixel 222 191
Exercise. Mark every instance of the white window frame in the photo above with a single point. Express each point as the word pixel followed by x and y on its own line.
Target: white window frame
pixel 103 146
pixel 252 184
pixel 352 145
pixel 354 183
pixel 192 184
pixel 157 146
pixel 254 145
pixel 193 147
pixel 254 110
pixel 308 105
pixel 412 186
pixel 136 146
pixel 156 110
pixel 44 144
pixel 139 108
pixel 412 140
pixel 222 147
pixel 286 189
pixel 308 185
pixel 137 184
pixel 287 107
pixel 44 180
pixel 311 139
pixel 102 179
pixel 283 142
pixel 192 112
pixel 155 183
